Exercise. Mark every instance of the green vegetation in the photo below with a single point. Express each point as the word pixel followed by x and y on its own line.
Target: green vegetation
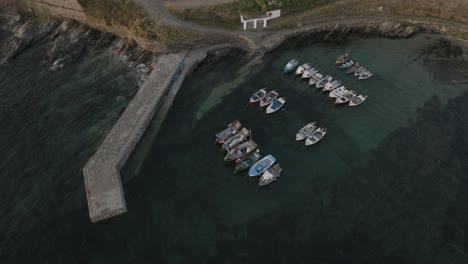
pixel 227 15
pixel 127 14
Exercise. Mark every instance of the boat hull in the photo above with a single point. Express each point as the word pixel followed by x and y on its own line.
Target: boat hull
pixel 262 165
pixel 271 110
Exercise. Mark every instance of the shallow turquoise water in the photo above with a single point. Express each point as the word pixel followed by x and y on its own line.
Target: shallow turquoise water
pixel 386 185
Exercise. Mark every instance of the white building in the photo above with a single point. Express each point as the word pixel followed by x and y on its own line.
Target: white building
pixel 262 20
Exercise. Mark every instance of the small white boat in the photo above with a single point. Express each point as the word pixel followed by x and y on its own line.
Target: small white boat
pixel 331 85
pixel 316 136
pixel 304 132
pixel 347 64
pixel 338 92
pixel 302 68
pixel 309 73
pixel 322 82
pixel 276 105
pixel 357 100
pixel 270 175
pixel 365 75
pixel 257 95
pixel 346 97
pixel 359 71
pixel 268 98
pixel 315 78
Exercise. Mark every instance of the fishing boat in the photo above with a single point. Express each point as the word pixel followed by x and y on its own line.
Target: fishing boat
pixel 268 98
pixel 304 132
pixel 315 78
pixel 359 71
pixel 290 66
pixel 276 105
pixel 338 92
pixel 262 165
pixel 309 73
pixel 235 140
pixel 241 150
pixel 347 64
pixel 302 68
pixel 352 69
pixel 257 95
pixel 331 85
pixel 346 97
pixel 246 162
pixel 270 175
pixel 342 58
pixel 357 100
pixel 365 75
pixel 322 82
pixel 228 132
pixel 316 136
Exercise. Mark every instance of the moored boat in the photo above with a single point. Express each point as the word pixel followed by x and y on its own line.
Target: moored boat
pixel 228 132
pixel 235 140
pixel 338 92
pixel 241 150
pixel 246 162
pixel 352 69
pixel 342 58
pixel 315 78
pixel 262 165
pixel 309 73
pixel 270 175
pixel 331 85
pixel 359 71
pixel 357 100
pixel 290 66
pixel 257 95
pixel 322 82
pixel 345 97
pixel 365 75
pixel 302 68
pixel 316 136
pixel 276 105
pixel 304 132
pixel 268 98
pixel 347 64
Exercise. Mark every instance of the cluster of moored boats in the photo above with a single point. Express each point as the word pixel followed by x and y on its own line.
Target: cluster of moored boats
pixel 311 133
pixel 241 149
pixel 269 98
pixel 338 92
pixel 353 67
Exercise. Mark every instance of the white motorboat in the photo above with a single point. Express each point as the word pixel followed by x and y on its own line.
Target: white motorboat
pixel 268 98
pixel 359 71
pixel 276 105
pixel 322 82
pixel 257 95
pixel 302 68
pixel 309 73
pixel 331 85
pixel 347 64
pixel 270 175
pixel 316 136
pixel 304 132
pixel 346 97
pixel 357 100
pixel 338 92
pixel 365 75
pixel 315 78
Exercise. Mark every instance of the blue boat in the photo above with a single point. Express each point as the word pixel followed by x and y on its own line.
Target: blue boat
pixel 262 165
pixel 176 75
pixel 292 64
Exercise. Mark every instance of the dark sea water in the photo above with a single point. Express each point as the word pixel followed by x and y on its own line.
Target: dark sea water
pixel 386 185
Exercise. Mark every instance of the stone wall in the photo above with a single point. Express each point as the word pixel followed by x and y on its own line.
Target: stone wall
pixel 54 8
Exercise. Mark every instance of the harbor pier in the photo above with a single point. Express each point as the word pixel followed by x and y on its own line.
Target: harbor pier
pixel 103 183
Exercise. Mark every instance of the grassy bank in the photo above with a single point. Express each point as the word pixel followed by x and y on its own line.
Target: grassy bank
pixel 227 15
pixel 127 14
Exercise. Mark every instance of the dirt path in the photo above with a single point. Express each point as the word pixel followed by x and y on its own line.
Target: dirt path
pixel 182 4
